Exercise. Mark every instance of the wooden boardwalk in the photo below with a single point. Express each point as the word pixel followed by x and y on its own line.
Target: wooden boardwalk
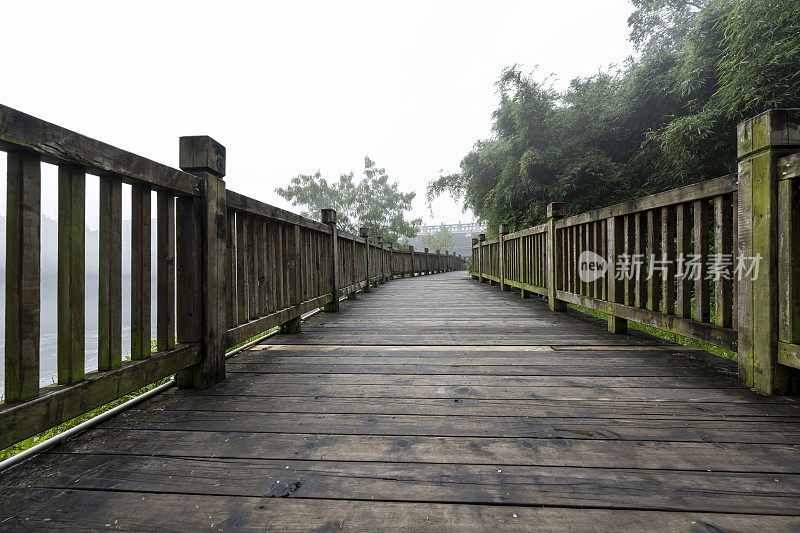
pixel 434 403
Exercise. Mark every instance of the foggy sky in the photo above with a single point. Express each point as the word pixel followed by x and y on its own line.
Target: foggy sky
pixel 293 87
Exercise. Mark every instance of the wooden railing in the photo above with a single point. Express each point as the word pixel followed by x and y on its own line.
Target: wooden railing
pixel 228 267
pixel 671 258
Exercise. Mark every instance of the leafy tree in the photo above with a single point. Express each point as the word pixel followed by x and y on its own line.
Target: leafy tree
pixel 372 202
pixel 659 121
pixel 442 239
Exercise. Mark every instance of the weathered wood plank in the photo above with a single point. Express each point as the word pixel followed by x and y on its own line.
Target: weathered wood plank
pixel 71 274
pixel 137 510
pixel 242 268
pixel 165 328
pixel 668 260
pixel 723 261
pixel 654 251
pixel 683 228
pixel 568 486
pixel 59 145
pixel 23 224
pixel 689 193
pixel 60 403
pixel 231 310
pixel 702 294
pixel 109 336
pixel 140 272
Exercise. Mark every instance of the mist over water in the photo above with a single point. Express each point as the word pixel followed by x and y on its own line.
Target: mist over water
pixel 48 339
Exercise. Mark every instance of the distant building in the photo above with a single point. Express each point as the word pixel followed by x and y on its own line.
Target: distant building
pixel 463 234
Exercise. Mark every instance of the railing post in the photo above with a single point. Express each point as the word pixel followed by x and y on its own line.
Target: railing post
pixel 329 218
pixel 365 233
pixel 503 231
pixel 481 240
pixel 200 261
pixel 555 211
pixel 761 141
pixel 411 267
pixel 427 262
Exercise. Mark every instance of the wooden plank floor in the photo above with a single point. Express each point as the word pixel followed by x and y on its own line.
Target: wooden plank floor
pixel 434 404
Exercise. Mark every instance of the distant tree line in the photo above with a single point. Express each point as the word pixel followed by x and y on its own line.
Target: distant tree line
pixel 372 202
pixel 664 119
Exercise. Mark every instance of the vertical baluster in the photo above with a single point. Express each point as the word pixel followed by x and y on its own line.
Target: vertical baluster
pixel 71 274
pixel 701 285
pixel 140 272
pixel 576 281
pixel 569 272
pixel 265 288
pixel 22 276
pixel 654 252
pixel 242 269
pixel 668 260
pixel 683 228
pixel 253 267
pixel 596 290
pixel 735 252
pixel 587 247
pixel 604 253
pixel 109 335
pixel 723 250
pixel 308 265
pixel 165 271
pixel 230 270
pixel 640 281
pixel 628 239
pixel 295 268
pixel 563 249
pixel 616 286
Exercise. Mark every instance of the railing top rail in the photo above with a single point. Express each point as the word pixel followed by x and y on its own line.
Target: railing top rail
pixel 695 191
pixel 349 236
pixel 541 228
pixel 57 145
pixel 240 202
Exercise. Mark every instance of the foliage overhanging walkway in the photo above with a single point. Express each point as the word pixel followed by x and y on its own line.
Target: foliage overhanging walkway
pixel 434 403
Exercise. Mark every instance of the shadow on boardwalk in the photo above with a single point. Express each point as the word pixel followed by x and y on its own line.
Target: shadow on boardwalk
pixel 434 404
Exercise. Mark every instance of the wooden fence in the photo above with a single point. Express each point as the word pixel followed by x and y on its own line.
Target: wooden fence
pixel 238 266
pixel 682 260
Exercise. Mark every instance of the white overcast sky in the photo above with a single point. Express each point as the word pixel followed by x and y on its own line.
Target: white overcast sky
pixel 294 87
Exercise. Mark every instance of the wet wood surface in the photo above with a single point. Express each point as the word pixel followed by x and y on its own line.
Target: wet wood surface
pixel 434 403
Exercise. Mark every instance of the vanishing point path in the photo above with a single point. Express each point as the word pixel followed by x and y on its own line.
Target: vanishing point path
pixel 434 403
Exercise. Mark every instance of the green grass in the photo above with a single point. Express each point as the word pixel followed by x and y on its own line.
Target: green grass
pixel 69 424
pixel 666 335
pixel 52 432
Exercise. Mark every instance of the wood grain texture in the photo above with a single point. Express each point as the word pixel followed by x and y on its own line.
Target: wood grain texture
pixel 109 336
pixel 165 273
pixel 58 145
pixel 140 272
pixel 23 244
pixel 71 274
pixel 396 403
